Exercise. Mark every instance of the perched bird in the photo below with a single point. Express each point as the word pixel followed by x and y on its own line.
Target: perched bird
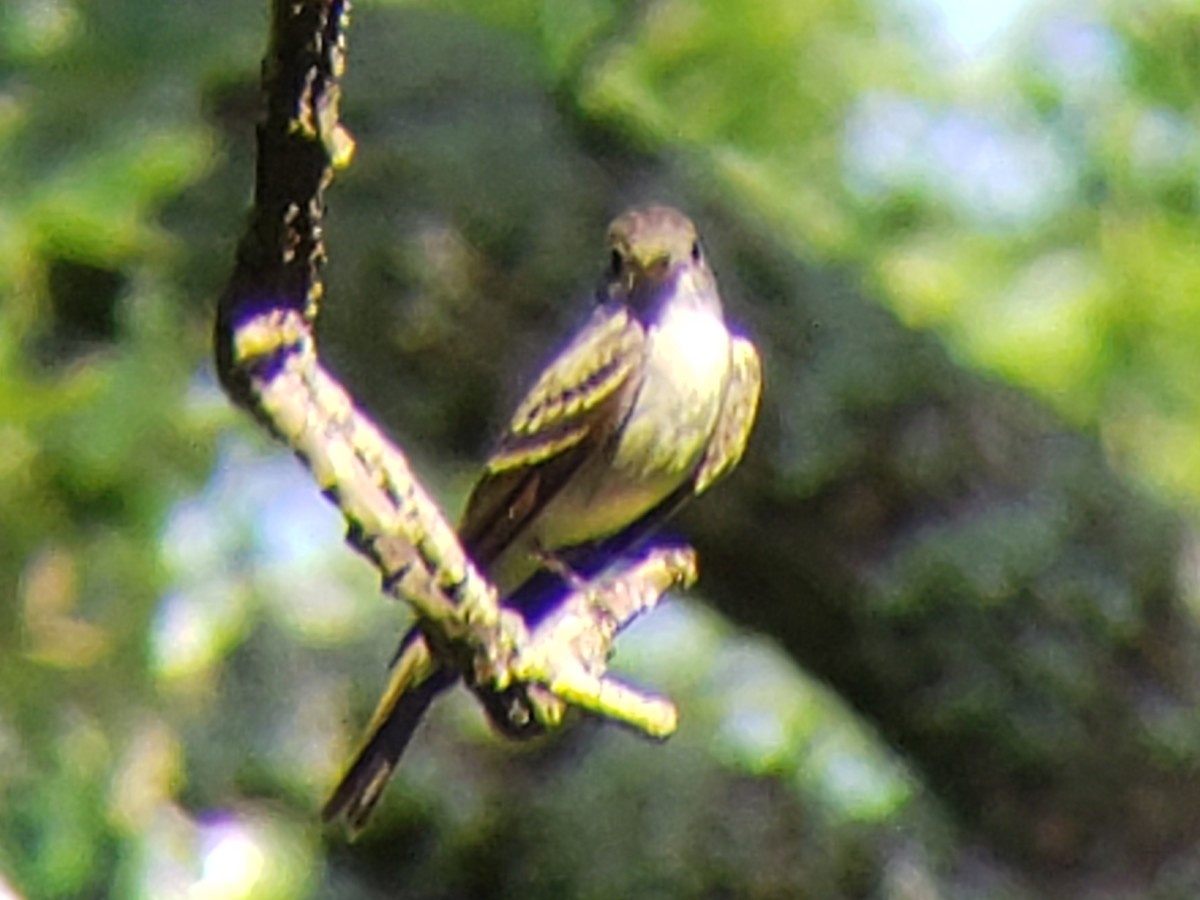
pixel 650 403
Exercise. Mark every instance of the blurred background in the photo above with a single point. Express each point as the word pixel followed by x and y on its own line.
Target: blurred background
pixel 944 643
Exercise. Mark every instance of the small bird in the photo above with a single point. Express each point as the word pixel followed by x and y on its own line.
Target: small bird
pixel 650 403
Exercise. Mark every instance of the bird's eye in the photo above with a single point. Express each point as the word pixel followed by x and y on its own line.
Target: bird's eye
pixel 617 262
pixel 696 254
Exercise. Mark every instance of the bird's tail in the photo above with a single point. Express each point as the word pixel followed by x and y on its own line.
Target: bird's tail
pixel 417 678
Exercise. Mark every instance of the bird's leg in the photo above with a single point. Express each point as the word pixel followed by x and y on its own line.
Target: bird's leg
pixel 553 562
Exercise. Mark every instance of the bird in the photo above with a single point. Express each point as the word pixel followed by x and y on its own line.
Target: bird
pixel 651 402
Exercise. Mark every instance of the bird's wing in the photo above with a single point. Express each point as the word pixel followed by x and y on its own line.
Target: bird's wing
pixel 739 406
pixel 738 410
pixel 575 404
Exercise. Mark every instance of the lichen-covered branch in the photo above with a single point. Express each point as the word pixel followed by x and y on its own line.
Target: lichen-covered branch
pixel 268 363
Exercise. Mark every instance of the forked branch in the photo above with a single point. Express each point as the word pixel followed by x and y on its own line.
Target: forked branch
pixel 268 363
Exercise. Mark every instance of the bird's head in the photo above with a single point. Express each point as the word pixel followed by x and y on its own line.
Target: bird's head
pixel 655 252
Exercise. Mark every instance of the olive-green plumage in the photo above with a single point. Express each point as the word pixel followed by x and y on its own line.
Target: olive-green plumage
pixel 652 395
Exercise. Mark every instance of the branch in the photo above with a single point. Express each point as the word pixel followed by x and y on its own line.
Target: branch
pixel 268 363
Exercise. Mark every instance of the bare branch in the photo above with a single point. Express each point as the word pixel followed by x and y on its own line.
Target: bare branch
pixel 268 362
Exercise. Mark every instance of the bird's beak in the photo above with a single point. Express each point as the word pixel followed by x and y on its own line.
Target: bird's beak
pixel 650 271
pixel 654 269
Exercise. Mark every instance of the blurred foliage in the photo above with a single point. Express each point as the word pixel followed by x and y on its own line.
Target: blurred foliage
pixel 187 648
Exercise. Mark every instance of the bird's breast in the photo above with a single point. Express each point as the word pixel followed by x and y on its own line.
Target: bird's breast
pixel 686 366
